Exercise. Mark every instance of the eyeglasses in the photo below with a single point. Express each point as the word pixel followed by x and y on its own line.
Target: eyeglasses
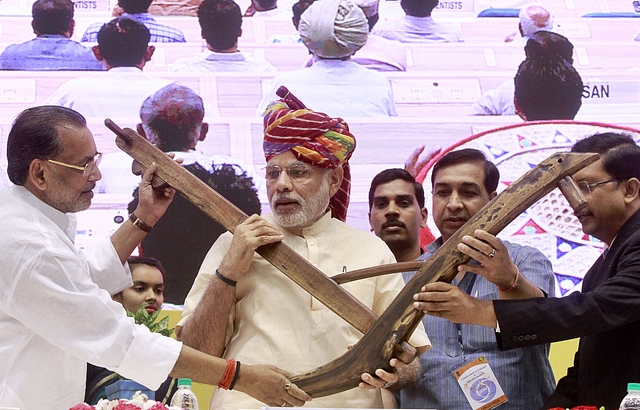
pixel 296 172
pixel 86 169
pixel 586 187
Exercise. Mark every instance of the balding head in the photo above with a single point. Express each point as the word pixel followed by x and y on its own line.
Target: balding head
pixel 534 18
pixel 172 118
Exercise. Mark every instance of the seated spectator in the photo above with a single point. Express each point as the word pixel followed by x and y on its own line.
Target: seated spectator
pixel 138 10
pixel 297 8
pixel 123 46
pixel 417 25
pixel 379 53
pixel 547 88
pixel 174 7
pixel 263 9
pixel 171 119
pixel 549 51
pixel 147 275
pixel 52 49
pixel 333 30
pixel 221 22
pixel 532 19
pixel 182 238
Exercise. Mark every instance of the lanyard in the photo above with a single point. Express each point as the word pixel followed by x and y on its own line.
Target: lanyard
pixel 459 326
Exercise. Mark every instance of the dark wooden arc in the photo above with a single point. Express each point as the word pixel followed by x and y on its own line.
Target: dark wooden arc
pixel 399 320
pixel 376 271
pixel 228 215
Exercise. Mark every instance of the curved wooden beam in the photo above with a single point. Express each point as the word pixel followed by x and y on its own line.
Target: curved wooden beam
pixel 399 320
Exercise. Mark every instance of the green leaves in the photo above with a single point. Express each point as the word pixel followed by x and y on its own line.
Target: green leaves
pixel 142 317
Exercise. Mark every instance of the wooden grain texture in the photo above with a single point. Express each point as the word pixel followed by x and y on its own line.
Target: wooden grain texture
pixel 398 322
pixel 228 215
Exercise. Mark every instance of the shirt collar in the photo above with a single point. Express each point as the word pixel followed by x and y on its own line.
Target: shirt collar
pixel 64 221
pixel 124 70
pixel 216 56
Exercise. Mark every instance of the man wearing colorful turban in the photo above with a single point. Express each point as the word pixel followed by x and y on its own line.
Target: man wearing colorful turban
pixel 242 307
pixel 314 138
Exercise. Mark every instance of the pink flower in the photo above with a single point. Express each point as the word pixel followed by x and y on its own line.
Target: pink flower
pixel 122 405
pixel 158 406
pixel 81 406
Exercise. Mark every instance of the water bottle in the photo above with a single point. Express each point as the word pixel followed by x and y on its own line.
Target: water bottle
pixel 632 400
pixel 184 398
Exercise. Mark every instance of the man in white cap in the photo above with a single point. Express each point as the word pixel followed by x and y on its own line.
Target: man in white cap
pixel 532 19
pixel 333 30
pixel 379 53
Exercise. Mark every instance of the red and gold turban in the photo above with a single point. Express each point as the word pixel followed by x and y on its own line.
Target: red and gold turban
pixel 314 138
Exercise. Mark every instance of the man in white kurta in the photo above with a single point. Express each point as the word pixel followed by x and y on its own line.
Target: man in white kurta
pixel 271 319
pixel 56 313
pixel 44 344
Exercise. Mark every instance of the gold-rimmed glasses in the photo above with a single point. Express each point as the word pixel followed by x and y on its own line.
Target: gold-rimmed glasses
pixel 86 169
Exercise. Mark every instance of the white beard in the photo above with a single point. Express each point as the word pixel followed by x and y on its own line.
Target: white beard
pixel 312 208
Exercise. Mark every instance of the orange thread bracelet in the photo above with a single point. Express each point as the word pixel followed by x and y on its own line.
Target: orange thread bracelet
pixel 228 376
pixel 515 281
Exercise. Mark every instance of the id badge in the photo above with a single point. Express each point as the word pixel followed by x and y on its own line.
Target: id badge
pixel 479 384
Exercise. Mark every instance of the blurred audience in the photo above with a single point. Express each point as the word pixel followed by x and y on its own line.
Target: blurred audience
pixel 546 86
pixel 333 30
pixel 263 9
pixel 532 19
pixel 174 7
pixel 417 25
pixel 123 46
pixel 221 24
pixel 138 10
pixel 52 49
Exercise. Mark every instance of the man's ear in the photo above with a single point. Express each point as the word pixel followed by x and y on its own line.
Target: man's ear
pixel 335 180
pixel 140 130
pixel 203 131
pixel 631 190
pixel 149 53
pixel 96 52
pixel 425 215
pixel 519 111
pixel 33 26
pixel 493 195
pixel 38 174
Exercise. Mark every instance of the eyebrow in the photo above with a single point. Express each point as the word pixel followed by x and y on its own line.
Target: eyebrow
pixel 463 184
pixel 397 197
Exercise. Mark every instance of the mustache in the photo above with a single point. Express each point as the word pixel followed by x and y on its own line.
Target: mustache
pixel 393 222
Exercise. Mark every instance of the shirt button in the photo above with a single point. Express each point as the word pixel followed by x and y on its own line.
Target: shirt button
pixel 520 338
pixel 527 337
pixel 514 339
pixel 534 336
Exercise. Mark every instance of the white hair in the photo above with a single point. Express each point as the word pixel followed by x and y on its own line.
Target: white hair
pixel 531 21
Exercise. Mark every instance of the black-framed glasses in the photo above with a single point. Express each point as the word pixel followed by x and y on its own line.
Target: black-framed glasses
pixel 86 169
pixel 586 187
pixel 298 172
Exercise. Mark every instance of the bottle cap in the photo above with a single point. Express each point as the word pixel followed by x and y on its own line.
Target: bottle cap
pixel 187 382
pixel 633 386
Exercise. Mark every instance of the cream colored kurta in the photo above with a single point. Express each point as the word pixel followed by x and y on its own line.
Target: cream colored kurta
pixel 276 322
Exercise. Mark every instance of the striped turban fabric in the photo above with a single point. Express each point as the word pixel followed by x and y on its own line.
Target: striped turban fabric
pixel 314 138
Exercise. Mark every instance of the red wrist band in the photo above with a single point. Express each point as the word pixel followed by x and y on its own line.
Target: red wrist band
pixel 515 281
pixel 229 375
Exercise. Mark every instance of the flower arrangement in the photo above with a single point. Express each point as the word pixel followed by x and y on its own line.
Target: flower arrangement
pixel 138 402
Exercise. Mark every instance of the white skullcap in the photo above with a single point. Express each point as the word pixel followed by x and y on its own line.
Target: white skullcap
pixel 333 28
pixel 370 7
